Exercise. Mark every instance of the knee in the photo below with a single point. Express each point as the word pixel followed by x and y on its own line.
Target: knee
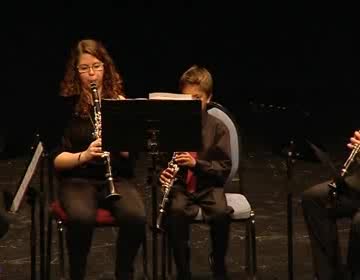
pixel 177 210
pixel 308 198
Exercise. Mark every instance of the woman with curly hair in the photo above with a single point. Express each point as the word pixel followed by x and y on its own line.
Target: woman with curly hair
pixel 80 167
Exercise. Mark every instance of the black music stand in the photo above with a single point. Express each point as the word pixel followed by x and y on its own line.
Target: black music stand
pixel 290 154
pixel 23 190
pixel 151 126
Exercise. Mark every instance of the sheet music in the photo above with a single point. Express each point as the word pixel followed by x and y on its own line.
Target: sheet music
pixel 27 178
pixel 169 96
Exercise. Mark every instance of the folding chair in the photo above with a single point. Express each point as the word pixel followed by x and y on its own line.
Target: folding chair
pixel 243 213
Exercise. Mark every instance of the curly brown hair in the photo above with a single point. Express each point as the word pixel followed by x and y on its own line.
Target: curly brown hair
pixel 71 85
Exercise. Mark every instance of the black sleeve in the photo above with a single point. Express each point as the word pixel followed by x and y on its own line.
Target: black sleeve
pixel 219 166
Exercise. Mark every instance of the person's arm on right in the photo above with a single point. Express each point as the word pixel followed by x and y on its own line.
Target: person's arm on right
pixel 354 140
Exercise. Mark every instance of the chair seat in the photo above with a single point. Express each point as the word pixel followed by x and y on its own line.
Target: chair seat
pixel 238 202
pixel 103 216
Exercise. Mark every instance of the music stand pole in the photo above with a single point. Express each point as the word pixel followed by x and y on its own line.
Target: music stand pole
pixel 32 196
pixel 289 172
pixel 153 149
pixel 43 160
pixel 32 202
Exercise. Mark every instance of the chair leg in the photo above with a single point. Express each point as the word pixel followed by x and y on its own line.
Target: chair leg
pixel 61 249
pixel 48 248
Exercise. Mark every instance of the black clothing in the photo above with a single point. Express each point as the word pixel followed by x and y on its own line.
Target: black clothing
pixel 321 212
pixel 184 206
pixel 77 137
pixel 213 162
pixel 83 190
pixel 212 168
pixel 5 219
pixel 80 199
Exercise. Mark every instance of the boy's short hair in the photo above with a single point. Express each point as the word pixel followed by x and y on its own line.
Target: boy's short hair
pixel 197 75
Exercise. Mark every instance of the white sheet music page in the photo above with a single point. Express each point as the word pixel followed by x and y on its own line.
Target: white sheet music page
pixel 26 179
pixel 169 96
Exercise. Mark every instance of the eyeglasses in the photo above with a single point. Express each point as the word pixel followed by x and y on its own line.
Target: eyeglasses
pixel 84 68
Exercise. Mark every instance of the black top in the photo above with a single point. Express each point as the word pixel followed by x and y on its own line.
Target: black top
pixel 77 136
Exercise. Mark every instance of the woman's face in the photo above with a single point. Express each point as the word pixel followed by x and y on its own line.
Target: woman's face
pixel 90 70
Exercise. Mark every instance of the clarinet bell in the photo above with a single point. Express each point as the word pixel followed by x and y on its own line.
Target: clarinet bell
pixel 113 197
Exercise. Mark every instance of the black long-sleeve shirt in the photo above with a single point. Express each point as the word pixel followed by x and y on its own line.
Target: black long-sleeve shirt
pixel 77 136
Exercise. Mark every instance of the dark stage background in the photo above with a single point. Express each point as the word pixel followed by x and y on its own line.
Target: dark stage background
pixel 284 69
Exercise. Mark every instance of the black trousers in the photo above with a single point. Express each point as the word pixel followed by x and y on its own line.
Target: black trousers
pixel 4 216
pixel 320 215
pixel 183 208
pixel 80 199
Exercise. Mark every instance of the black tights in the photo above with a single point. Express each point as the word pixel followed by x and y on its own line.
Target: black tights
pixel 80 200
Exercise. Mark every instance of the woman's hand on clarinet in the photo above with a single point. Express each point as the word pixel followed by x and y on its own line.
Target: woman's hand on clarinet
pixel 354 140
pixel 93 151
pixel 185 159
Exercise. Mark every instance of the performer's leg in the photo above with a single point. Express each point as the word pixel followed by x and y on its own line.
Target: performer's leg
pixel 320 218
pixel 178 222
pixel 354 247
pixel 129 211
pixel 4 217
pixel 217 214
pixel 80 204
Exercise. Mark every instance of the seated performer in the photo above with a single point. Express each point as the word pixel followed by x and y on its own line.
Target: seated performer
pixel 81 169
pixel 210 168
pixel 321 213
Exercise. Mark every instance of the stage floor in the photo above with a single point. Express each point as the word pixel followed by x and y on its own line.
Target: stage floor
pixel 266 188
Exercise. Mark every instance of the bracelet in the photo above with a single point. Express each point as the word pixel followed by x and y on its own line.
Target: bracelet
pixel 79 157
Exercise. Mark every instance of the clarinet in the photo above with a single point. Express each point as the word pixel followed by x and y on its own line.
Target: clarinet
pixel 113 195
pixel 344 170
pixel 167 188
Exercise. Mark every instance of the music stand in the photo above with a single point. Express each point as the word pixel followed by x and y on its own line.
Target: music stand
pixel 290 154
pixel 151 126
pixel 23 190
pixel 127 125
